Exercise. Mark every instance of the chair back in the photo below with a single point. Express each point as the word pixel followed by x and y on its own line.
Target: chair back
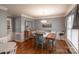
pixel 51 36
pixel 39 38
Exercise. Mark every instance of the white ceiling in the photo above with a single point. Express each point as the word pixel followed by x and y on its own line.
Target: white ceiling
pixel 40 10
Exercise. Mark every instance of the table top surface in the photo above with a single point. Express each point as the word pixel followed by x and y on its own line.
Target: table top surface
pixel 51 35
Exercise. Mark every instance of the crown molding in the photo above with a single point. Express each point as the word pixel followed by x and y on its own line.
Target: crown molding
pixel 71 8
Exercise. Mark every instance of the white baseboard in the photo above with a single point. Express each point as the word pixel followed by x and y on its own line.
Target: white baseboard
pixel 19 40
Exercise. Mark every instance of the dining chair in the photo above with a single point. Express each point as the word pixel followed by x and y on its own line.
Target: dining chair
pixel 51 38
pixel 40 40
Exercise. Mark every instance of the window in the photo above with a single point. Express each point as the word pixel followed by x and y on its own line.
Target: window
pixel 75 38
pixel 72 34
pixel 69 28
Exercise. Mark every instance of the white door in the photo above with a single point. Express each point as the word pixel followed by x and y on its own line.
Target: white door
pixel 9 29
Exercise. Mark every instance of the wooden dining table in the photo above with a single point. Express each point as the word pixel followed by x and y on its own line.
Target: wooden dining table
pixel 48 37
pixel 51 36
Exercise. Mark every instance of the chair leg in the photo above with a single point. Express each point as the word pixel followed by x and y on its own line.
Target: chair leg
pixel 42 46
pixel 54 46
pixel 47 48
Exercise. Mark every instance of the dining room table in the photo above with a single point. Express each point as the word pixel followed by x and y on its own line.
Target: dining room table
pixel 48 37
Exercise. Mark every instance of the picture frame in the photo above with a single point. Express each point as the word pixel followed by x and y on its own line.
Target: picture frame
pixel 46 25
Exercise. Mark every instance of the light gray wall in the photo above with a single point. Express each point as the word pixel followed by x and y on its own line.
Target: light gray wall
pixel 30 23
pixel 3 23
pixel 23 24
pixel 17 27
pixel 18 23
pixel 58 24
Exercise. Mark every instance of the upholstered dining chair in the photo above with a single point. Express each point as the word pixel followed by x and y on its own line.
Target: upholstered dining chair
pixel 51 40
pixel 40 40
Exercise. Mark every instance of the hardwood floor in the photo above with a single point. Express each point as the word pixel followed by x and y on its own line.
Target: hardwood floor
pixel 27 47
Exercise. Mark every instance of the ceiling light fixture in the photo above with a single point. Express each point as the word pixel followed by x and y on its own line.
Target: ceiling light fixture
pixel 43 21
